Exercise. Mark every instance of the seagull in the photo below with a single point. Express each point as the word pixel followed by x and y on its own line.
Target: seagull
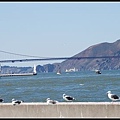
pixel 112 97
pixel 16 102
pixel 49 101
pixel 68 98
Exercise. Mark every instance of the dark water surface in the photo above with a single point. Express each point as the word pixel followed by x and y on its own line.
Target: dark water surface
pixel 85 86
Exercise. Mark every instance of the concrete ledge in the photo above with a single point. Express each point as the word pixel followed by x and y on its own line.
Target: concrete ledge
pixel 61 110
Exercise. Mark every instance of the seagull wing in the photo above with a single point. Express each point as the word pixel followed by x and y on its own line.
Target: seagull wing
pixel 114 96
pixel 69 97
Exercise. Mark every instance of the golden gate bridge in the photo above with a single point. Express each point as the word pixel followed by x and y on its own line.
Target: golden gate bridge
pixel 38 58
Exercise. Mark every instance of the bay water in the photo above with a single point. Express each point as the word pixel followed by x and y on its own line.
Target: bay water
pixel 84 86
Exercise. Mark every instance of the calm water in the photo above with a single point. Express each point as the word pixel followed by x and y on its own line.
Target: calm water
pixel 85 86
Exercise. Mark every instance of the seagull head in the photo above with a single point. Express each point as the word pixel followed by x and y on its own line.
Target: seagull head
pixel 13 99
pixel 47 99
pixel 108 92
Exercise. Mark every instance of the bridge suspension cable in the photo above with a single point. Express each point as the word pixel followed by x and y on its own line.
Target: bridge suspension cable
pixel 21 54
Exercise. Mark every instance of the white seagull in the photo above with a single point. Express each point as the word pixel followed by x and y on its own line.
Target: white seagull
pixel 68 98
pixel 16 102
pixel 49 101
pixel 112 97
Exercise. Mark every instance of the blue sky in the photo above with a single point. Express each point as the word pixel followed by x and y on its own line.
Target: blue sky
pixel 56 29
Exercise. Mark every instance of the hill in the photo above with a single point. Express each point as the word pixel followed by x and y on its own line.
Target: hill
pixel 102 49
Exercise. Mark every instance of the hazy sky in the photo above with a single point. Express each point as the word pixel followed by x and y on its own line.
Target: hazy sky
pixel 56 29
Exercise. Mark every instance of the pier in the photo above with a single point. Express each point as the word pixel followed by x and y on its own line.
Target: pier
pixel 20 74
pixel 61 110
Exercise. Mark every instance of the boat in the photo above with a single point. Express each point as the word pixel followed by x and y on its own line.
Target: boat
pixel 34 70
pixel 58 73
pixel 19 74
pixel 97 71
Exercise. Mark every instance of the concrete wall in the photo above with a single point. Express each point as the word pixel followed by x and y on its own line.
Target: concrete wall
pixel 61 110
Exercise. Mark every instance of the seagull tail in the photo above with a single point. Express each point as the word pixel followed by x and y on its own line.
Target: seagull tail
pixel 74 99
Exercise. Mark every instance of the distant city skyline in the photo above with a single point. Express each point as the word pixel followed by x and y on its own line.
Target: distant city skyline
pixel 56 29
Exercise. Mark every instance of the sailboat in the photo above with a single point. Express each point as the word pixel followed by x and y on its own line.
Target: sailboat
pixel 59 71
pixel 34 70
